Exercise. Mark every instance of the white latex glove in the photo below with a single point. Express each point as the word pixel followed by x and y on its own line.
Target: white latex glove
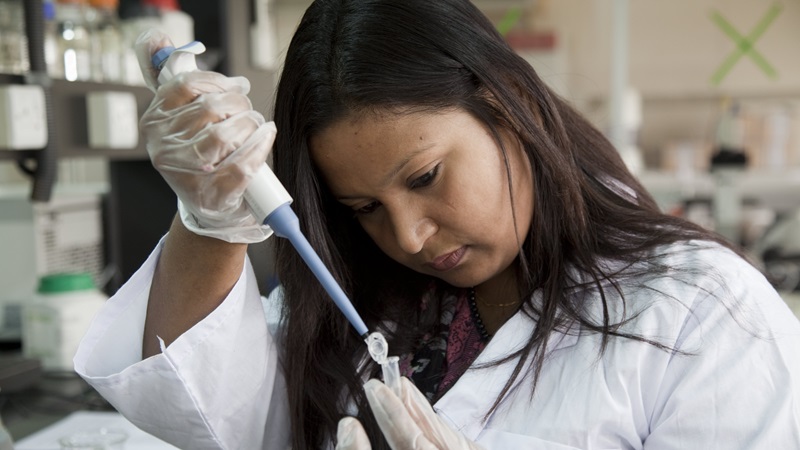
pixel 206 140
pixel 408 423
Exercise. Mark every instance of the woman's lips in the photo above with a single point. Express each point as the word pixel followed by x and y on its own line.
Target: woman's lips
pixel 448 261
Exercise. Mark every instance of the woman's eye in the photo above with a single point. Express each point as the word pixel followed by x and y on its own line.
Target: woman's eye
pixel 426 179
pixel 367 209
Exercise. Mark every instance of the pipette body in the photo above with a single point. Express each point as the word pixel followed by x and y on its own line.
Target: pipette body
pixel 266 197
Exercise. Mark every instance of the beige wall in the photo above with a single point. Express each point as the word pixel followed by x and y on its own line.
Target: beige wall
pixel 675 47
pixel 674 50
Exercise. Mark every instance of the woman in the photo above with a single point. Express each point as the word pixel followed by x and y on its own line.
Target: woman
pixel 535 293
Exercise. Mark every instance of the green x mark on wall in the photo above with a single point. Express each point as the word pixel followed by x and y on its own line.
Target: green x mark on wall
pixel 509 20
pixel 745 45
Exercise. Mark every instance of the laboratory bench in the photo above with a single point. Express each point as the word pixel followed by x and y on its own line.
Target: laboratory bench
pixel 39 408
pixel 31 400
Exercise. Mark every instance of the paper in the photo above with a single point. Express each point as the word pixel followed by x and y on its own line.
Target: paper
pixel 47 439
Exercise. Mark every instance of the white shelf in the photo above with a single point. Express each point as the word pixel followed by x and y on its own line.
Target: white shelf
pixel 779 190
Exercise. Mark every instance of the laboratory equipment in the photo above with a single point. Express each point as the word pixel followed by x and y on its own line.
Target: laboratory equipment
pixel 266 197
pixel 62 235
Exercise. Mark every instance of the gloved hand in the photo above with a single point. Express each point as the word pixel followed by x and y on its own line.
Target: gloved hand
pixel 408 423
pixel 206 140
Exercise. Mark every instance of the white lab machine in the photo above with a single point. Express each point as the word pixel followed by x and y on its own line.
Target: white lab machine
pixel 63 235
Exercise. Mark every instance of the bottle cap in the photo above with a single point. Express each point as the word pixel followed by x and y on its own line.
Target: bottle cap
pixel 49 10
pixel 168 5
pixel 65 282
pixel 104 4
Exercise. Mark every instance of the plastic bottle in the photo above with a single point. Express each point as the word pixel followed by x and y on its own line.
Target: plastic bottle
pixel 74 39
pixel 164 15
pixel 54 322
pixel 176 23
pixel 106 41
pixel 729 140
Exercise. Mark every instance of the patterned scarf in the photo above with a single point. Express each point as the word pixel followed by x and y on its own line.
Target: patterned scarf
pixel 444 356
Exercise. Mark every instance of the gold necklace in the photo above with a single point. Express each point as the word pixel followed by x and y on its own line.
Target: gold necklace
pixel 495 305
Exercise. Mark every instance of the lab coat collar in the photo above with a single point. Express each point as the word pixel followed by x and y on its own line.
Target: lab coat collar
pixel 466 403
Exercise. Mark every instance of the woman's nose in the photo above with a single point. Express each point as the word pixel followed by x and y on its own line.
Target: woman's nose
pixel 412 229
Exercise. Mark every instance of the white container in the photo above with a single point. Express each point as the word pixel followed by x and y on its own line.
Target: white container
pixel 58 316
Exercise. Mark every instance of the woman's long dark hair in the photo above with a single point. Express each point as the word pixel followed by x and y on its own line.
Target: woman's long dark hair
pixel 351 57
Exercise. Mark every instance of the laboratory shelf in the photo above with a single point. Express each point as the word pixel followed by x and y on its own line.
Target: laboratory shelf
pixel 776 189
pixel 71 119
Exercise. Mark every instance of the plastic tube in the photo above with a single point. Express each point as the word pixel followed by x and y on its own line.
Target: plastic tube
pixel 379 349
pixel 391 375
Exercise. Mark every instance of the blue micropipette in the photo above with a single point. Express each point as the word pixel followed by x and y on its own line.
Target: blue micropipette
pixel 267 198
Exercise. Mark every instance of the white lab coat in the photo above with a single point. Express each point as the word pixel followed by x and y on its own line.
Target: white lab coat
pixel 218 385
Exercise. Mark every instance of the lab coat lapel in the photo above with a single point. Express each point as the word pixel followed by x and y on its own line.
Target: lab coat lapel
pixel 466 403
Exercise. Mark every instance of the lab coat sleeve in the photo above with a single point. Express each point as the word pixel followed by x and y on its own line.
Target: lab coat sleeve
pixel 740 386
pixel 219 385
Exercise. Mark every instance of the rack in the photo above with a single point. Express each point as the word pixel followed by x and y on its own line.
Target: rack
pixel 69 104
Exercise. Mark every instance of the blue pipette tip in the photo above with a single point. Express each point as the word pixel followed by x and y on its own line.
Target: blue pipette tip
pixel 286 225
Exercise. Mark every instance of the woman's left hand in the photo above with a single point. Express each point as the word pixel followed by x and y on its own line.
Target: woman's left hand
pixel 408 422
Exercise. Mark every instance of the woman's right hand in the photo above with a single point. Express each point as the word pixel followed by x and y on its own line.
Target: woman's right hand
pixel 206 140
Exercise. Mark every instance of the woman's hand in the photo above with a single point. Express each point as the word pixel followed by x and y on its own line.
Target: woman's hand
pixel 408 422
pixel 206 140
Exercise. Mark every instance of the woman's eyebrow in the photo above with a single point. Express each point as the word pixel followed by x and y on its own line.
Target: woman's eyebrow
pixel 392 173
pixel 397 168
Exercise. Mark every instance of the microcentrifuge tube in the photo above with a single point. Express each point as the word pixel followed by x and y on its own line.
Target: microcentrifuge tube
pixel 378 349
pixel 391 375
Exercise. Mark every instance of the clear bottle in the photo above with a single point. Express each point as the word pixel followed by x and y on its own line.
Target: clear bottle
pixel 52 57
pixel 13 41
pixel 74 39
pixel 106 41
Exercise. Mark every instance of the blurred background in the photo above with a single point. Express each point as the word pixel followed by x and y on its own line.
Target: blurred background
pixel 701 97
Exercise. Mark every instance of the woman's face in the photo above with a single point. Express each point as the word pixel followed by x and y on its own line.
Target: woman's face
pixel 431 189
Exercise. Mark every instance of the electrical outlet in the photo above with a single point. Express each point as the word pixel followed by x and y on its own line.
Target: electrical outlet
pixel 23 122
pixel 113 120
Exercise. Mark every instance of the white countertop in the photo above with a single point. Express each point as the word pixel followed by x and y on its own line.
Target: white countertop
pixel 47 439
